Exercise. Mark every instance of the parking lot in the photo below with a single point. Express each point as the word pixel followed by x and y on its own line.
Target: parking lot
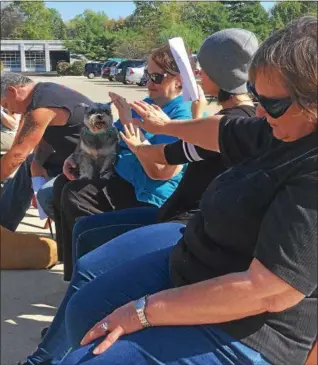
pixel 97 89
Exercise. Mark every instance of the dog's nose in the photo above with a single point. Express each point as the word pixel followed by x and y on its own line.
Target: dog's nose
pixel 99 117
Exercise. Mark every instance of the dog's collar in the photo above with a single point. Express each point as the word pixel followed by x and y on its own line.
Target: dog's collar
pixel 87 131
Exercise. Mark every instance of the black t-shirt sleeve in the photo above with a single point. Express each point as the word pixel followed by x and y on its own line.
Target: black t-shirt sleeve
pixel 241 138
pixel 287 242
pixel 181 152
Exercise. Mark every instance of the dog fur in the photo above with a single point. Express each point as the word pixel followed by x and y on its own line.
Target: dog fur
pixel 96 152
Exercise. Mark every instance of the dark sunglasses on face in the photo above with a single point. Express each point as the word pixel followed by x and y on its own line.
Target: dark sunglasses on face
pixel 155 77
pixel 274 107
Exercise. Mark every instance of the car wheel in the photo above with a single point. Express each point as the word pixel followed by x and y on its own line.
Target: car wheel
pixel 91 75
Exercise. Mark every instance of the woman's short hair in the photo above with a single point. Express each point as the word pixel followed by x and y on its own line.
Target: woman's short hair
pixel 163 57
pixel 292 51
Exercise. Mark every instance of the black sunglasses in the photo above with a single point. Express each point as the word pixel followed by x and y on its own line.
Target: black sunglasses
pixel 155 77
pixel 274 107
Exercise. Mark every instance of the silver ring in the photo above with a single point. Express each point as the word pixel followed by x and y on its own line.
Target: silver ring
pixel 104 326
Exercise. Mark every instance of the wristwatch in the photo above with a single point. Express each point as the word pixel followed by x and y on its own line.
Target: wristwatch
pixel 140 306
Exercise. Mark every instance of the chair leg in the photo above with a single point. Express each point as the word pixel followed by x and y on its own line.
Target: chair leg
pixel 48 225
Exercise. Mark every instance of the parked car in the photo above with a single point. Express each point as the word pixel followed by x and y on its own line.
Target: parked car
pixel 122 69
pixel 111 62
pixel 113 72
pixel 106 68
pixel 135 74
pixel 93 69
pixel 145 77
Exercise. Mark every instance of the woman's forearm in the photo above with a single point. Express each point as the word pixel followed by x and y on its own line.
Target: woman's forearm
pixel 202 132
pixel 218 300
pixel 154 163
pixel 222 299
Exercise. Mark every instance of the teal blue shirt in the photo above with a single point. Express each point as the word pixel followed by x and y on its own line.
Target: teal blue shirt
pixel 155 192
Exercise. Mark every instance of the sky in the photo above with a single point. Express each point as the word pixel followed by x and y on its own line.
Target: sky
pixel 114 9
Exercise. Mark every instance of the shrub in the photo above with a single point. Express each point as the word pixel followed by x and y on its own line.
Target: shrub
pixel 63 68
pixel 77 68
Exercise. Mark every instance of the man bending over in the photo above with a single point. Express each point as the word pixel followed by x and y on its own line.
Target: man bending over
pixel 47 135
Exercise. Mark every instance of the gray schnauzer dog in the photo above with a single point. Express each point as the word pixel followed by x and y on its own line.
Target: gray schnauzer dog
pixel 96 152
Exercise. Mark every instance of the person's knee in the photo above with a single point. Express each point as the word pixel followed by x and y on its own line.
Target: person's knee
pixel 45 199
pixel 80 227
pixel 69 191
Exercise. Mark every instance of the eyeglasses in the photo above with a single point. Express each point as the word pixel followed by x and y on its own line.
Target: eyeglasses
pixel 274 107
pixel 155 77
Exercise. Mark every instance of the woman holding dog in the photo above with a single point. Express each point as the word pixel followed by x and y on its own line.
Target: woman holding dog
pixel 129 186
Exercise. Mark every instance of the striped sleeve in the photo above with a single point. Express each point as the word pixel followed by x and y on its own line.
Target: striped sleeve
pixel 182 152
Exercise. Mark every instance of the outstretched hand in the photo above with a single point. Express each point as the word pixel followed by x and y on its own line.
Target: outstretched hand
pixel 133 137
pixel 123 108
pixel 153 117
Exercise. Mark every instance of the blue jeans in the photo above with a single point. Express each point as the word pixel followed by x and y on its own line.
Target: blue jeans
pixel 118 251
pixel 45 198
pixel 17 196
pixel 93 231
pixel 169 345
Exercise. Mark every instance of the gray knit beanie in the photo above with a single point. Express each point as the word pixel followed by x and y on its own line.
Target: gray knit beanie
pixel 225 57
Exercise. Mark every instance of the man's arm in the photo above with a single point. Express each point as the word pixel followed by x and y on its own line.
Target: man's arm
pixel 28 137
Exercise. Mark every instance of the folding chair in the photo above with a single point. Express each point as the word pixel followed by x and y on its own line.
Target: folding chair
pixel 48 222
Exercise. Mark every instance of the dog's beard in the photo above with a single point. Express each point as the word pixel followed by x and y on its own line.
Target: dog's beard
pixel 98 123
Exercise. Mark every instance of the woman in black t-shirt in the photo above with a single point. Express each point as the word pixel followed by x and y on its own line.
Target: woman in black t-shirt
pixel 240 286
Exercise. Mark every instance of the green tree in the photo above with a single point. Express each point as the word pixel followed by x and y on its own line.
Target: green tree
pixel 250 15
pixel 88 34
pixel 58 27
pixel 38 22
pixel 209 17
pixel 172 24
pixel 30 20
pixel 284 12
pixel 11 18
